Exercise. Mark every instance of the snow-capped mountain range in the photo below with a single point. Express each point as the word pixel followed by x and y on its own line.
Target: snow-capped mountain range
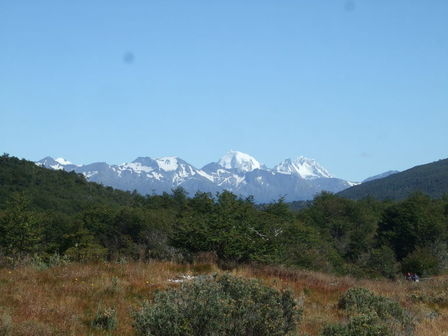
pixel 293 179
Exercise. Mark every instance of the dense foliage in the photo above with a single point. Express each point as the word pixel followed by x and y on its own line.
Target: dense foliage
pixel 45 213
pixel 219 305
pixel 431 179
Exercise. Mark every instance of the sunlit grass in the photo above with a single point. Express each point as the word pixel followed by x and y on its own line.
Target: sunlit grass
pixel 63 300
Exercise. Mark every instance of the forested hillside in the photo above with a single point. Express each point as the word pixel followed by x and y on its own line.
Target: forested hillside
pixel 430 179
pixel 55 190
pixel 45 212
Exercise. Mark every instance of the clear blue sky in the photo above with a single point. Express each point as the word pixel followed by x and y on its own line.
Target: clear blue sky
pixel 361 86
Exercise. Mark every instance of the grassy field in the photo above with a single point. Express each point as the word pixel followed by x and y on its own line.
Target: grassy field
pixel 64 300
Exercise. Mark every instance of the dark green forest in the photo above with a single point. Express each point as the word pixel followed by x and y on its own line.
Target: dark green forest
pixel 430 179
pixel 45 213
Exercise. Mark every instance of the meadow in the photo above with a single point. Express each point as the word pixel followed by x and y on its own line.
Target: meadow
pixel 66 299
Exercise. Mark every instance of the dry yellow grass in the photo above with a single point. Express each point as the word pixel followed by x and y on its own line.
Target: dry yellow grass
pixel 63 300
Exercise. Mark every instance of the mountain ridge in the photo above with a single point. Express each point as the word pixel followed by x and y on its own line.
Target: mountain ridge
pixel 294 179
pixel 430 178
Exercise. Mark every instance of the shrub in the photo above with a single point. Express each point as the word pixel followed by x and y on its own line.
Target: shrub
pixel 43 262
pixel 105 319
pixel 56 259
pixel 91 252
pixel 219 305
pixel 361 325
pixel 370 315
pixel 361 300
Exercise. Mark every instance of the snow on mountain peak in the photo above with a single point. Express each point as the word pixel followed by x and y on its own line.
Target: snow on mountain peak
pixel 237 172
pixel 63 161
pixel 137 167
pixel 168 163
pixel 240 161
pixel 304 167
pixel 57 164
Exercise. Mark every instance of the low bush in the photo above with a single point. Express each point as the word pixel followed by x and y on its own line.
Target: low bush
pixel 371 315
pixel 47 261
pixel 361 300
pixel 219 305
pixel 361 325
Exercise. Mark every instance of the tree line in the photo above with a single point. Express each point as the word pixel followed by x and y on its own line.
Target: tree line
pixel 44 212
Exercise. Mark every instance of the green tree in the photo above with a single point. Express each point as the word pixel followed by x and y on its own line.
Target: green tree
pixel 382 262
pixel 20 230
pixel 84 246
pixel 301 245
pixel 416 222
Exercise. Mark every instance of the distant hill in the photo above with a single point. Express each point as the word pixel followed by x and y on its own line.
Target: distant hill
pixel 431 179
pixel 67 192
pixel 379 176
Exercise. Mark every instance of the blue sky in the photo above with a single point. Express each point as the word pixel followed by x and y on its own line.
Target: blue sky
pixel 360 86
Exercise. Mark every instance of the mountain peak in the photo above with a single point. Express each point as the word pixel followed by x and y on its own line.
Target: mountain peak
pixel 144 160
pixel 57 164
pixel 304 167
pixel 63 161
pixel 237 172
pixel 168 163
pixel 240 161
